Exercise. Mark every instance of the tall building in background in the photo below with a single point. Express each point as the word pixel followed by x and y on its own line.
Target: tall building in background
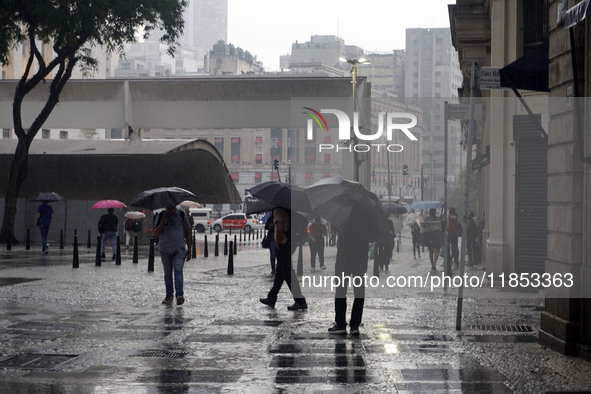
pixel 432 75
pixel 206 22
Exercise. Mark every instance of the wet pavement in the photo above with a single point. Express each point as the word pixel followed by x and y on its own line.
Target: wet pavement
pixel 104 330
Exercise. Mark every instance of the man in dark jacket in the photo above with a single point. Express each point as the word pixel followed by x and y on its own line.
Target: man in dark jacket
pixel 108 228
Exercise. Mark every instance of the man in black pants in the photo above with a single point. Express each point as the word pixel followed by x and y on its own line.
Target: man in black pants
pixel 351 261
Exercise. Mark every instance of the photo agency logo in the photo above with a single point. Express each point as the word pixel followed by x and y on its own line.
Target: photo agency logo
pixel 353 144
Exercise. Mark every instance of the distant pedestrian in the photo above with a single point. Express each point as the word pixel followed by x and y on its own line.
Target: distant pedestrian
pixel 316 233
pixel 432 236
pixel 385 247
pixel 284 272
pixel 351 264
pixel 44 216
pixel 173 229
pixel 107 226
pixel 471 234
pixel 453 233
pixel 128 227
pixel 415 231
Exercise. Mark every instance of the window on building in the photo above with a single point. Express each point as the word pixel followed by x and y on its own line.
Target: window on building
pixel 327 139
pixel 45 134
pixel 5 133
pixel 310 152
pixel 276 144
pixel 293 148
pixel 235 150
pixel 219 144
pixel 327 158
pixel 258 177
pixel 63 135
pixel 535 23
pixel 309 178
pixel 258 158
pixel 235 176
pixel 258 142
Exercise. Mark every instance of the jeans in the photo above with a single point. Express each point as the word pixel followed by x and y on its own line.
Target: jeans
pixel 44 228
pixel 173 262
pixel 112 236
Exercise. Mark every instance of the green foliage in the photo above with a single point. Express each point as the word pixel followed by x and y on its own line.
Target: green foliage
pixel 455 197
pixel 72 25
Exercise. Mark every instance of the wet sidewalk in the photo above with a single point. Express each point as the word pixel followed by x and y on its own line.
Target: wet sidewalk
pixel 104 330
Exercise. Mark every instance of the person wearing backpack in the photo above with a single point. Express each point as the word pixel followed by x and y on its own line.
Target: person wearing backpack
pixel 173 229
pixel 128 227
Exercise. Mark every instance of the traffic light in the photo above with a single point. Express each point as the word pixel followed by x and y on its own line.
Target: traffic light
pixel 405 170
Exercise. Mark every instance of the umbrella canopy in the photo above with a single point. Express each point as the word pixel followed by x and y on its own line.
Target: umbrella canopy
pixel 190 204
pixel 48 197
pixel 102 204
pixel 392 208
pixel 279 194
pixel 348 206
pixel 423 205
pixel 134 215
pixel 161 197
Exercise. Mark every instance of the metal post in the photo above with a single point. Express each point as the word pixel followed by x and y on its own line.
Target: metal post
pixel 75 260
pixel 216 251
pixel 28 244
pixel 475 69
pixel 118 251
pixel 205 248
pixel 225 244
pixel 151 255
pixel 300 270
pixel 61 239
pixel 135 250
pixel 88 243
pixel 446 254
pixel 231 260
pixel 194 250
pixel 235 245
pixel 422 183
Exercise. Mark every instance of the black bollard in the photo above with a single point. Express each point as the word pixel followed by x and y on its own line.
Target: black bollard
pixel 151 255
pixel 240 236
pixel 226 245
pixel 88 243
pixel 376 268
pixel 28 243
pixel 205 248
pixel 75 261
pixel 61 239
pixel 210 230
pixel 300 270
pixel 230 230
pixel 9 240
pixel 235 245
pixel 249 235
pixel 216 250
pixel 97 261
pixel 194 249
pixel 231 261
pixel 118 251
pixel 398 246
pixel 135 250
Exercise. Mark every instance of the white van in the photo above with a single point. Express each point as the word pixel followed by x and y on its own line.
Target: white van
pixel 202 218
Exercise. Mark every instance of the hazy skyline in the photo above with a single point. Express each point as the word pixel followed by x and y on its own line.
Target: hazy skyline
pixel 267 29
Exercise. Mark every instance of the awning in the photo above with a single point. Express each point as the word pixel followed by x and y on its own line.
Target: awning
pixel 529 72
pixel 577 14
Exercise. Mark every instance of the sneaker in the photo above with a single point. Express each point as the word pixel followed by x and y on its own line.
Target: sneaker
pixel 354 331
pixel 180 300
pixel 168 300
pixel 267 302
pixel 336 330
pixel 322 267
pixel 297 306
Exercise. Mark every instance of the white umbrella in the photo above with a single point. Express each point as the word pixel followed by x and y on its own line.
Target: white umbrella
pixel 134 215
pixel 190 204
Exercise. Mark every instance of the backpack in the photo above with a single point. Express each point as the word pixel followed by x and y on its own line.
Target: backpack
pixel 102 226
pixel 129 225
pixel 136 227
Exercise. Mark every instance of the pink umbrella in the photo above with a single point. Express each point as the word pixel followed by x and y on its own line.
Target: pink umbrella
pixel 104 204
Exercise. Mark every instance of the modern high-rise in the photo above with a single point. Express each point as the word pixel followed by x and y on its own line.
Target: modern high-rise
pixel 206 22
pixel 433 76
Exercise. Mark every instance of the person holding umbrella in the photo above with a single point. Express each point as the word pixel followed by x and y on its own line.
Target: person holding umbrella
pixel 284 271
pixel 174 230
pixel 107 226
pixel 44 216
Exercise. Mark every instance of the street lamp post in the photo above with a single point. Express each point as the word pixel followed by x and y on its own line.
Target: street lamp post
pixel 354 63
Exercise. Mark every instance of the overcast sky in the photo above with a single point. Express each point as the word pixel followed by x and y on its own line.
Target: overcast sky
pixel 267 28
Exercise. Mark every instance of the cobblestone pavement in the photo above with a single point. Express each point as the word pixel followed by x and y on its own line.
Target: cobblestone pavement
pixel 104 330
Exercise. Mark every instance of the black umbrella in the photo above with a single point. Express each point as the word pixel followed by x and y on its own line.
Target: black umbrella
pixel 161 197
pixel 279 194
pixel 48 197
pixel 348 206
pixel 391 208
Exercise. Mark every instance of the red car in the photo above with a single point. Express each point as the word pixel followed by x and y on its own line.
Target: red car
pixel 236 221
